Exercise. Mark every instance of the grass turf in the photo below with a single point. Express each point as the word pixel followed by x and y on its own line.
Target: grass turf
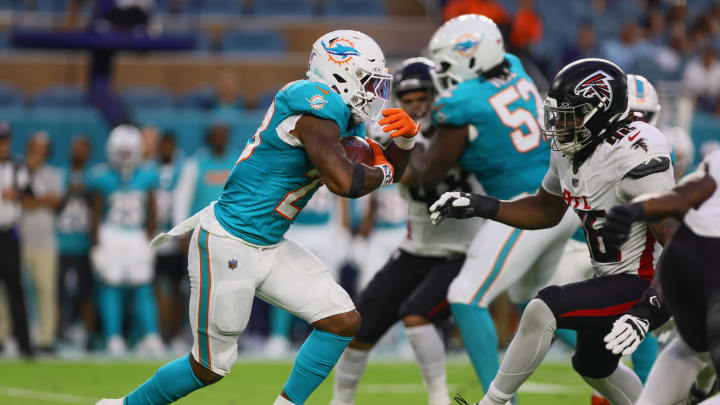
pixel 258 382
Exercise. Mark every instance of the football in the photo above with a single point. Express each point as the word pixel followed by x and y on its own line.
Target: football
pixel 357 149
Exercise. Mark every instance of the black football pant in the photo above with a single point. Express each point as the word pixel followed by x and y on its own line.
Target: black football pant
pixel 10 276
pixel 690 281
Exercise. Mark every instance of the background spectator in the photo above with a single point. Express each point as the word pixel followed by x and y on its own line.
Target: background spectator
pixel 585 47
pixel 75 286
pixel 10 275
pixel 40 197
pixel 702 79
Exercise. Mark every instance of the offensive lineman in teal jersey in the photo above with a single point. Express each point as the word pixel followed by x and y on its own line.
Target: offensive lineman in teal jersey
pixel 487 116
pixel 238 249
pixel 123 218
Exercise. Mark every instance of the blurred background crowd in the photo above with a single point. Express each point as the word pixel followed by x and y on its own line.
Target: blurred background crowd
pixel 196 76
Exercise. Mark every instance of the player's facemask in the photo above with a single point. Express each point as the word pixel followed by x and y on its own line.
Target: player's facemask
pixel 373 95
pixel 443 78
pixel 564 126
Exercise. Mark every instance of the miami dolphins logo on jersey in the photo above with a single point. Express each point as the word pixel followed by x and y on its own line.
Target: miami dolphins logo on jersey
pixel 317 102
pixel 340 50
pixel 597 85
pixel 466 44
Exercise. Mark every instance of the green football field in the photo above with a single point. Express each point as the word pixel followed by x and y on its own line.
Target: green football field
pixel 258 382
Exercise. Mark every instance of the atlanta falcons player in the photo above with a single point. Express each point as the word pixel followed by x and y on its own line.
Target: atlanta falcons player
pixel 600 159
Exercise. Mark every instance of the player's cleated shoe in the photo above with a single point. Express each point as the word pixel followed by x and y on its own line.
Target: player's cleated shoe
pixel 118 401
pixel 696 395
pixel 276 347
pixel 116 346
pixel 151 346
pixel 599 400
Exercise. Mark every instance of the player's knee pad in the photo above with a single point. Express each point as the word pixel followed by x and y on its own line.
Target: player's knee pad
pixel 232 306
pixel 537 315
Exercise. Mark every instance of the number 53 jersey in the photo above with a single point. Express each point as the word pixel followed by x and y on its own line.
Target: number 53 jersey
pixel 632 161
pixel 505 150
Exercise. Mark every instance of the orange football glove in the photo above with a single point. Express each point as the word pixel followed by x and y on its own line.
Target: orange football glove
pixel 396 119
pixel 379 160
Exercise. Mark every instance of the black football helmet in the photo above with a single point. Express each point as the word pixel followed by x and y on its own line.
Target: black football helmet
pixel 585 99
pixel 413 75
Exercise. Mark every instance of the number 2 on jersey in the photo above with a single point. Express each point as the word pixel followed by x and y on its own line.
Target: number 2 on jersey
pixel 515 119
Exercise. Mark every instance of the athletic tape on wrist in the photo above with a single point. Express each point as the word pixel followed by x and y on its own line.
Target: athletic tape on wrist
pixel 404 143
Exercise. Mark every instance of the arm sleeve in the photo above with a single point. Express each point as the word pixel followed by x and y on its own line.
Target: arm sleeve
pixel 184 191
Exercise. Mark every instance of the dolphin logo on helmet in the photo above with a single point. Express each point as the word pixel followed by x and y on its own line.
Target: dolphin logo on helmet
pixel 343 52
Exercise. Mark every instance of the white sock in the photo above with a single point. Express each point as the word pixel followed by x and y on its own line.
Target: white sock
pixel 430 354
pixel 348 371
pixel 280 400
pixel 672 375
pixel 622 387
pixel 495 396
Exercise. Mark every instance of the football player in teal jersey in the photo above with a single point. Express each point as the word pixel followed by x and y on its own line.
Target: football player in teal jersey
pixel 487 122
pixel 123 219
pixel 238 249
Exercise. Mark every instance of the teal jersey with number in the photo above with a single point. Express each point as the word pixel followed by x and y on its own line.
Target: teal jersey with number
pixel 212 173
pixel 505 148
pixel 273 178
pixel 73 220
pixel 125 198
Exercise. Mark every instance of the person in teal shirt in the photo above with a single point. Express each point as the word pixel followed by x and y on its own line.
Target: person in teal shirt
pixel 203 175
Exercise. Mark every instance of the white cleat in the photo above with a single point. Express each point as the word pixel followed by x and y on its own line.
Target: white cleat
pixel 276 347
pixel 336 402
pixel 103 401
pixel 151 346
pixel 116 346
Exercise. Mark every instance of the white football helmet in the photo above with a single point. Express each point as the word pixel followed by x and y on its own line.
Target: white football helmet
pixel 463 48
pixel 124 147
pixel 353 65
pixel 643 101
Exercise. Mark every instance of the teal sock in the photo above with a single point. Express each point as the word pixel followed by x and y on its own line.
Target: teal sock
pixel 110 305
pixel 280 320
pixel 317 356
pixel 478 333
pixel 567 336
pixel 644 357
pixel 170 382
pixel 146 309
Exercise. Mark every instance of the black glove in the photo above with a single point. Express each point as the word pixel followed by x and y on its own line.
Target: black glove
pixel 461 205
pixel 619 220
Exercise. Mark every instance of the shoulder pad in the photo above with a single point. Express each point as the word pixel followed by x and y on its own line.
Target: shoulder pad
pixel 458 107
pixel 314 98
pixel 515 63
pixel 657 164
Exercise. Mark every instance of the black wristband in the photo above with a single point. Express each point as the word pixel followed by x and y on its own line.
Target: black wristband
pixel 651 309
pixel 358 181
pixel 493 206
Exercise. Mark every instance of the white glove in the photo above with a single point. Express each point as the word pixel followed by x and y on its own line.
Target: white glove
pixel 627 334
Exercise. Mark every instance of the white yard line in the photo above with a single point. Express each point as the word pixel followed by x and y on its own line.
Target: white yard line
pixel 528 387
pixel 45 396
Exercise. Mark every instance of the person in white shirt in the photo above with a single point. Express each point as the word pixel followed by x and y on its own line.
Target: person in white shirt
pixel 40 197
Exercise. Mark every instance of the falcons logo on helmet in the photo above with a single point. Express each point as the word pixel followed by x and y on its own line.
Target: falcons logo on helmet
pixel 596 85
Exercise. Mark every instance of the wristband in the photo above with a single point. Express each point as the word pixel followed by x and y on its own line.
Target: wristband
pixel 404 143
pixel 387 174
pixel 651 309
